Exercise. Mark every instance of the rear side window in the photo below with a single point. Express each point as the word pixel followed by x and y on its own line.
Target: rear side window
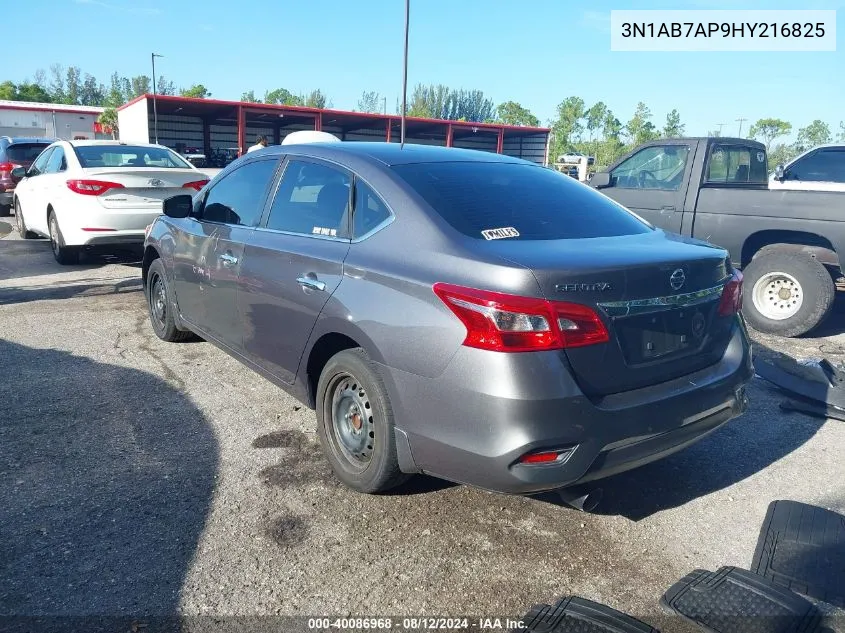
pixel 517 202
pixel 736 164
pixel 369 210
pixel 25 152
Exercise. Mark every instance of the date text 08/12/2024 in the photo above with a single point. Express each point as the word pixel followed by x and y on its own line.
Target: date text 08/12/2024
pixel 414 624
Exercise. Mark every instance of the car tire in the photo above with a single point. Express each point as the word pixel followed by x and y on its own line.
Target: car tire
pixel 5 210
pixel 160 305
pixel 25 233
pixel 65 255
pixel 787 294
pixel 355 423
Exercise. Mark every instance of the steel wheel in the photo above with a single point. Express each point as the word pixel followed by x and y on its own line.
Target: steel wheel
pixel 352 431
pixel 777 296
pixel 158 300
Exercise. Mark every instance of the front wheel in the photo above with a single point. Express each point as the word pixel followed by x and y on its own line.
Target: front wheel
pixel 162 312
pixel 64 254
pixel 355 424
pixel 788 294
pixel 25 233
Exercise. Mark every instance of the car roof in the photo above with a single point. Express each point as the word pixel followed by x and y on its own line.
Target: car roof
pixel 391 153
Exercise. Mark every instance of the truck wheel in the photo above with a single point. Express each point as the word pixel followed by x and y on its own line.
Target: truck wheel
pixel 787 294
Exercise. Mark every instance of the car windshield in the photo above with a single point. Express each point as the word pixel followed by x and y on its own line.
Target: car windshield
pixel 129 156
pixel 25 152
pixel 517 201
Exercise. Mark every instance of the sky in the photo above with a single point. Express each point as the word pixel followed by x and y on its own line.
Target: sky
pixel 535 52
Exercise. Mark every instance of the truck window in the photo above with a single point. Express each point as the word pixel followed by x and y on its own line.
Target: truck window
pixel 736 164
pixel 825 165
pixel 654 167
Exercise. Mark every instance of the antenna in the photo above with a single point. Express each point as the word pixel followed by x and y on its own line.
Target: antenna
pixel 405 75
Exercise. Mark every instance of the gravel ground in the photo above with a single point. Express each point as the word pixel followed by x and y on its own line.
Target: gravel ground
pixel 142 478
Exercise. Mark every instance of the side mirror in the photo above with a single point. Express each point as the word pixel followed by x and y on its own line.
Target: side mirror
pixel 19 173
pixel 600 180
pixel 178 206
pixel 779 173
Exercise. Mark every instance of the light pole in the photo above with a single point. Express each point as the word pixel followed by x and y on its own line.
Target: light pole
pixel 405 74
pixel 155 105
pixel 385 105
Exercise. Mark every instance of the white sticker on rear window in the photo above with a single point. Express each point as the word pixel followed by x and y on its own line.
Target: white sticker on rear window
pixel 500 234
pixel 322 230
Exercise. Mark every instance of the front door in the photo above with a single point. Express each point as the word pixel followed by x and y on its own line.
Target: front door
pixel 653 183
pixel 31 195
pixel 293 263
pixel 209 248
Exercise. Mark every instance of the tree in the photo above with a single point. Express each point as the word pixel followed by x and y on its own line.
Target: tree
pixel 640 129
pixel 568 126
pixel 512 113
pixel 91 93
pixel 138 86
pixel 817 133
pixel 32 92
pixel 249 97
pixel 769 129
pixel 841 137
pixel 197 91
pixel 316 99
pixel 370 102
pixel 282 96
pixel 73 85
pixel 8 91
pixel 673 128
pixel 108 119
pixel 165 87
pixel 780 154
pixel 56 87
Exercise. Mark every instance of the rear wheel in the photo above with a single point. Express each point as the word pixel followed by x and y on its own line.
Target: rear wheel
pixel 788 294
pixel 162 312
pixel 21 225
pixel 64 254
pixel 355 423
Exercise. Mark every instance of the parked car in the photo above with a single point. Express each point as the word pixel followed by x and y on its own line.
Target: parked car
pixel 819 169
pixel 787 243
pixel 195 156
pixel 459 313
pixel 575 157
pixel 98 194
pixel 16 152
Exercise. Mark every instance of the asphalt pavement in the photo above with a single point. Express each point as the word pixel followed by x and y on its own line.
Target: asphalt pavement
pixel 141 477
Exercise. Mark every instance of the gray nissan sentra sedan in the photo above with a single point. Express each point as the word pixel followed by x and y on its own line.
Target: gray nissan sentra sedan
pixel 457 313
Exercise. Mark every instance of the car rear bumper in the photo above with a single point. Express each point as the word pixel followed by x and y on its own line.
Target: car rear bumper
pixel 110 228
pixel 473 423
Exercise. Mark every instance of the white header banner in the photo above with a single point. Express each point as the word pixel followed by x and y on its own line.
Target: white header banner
pixel 723 30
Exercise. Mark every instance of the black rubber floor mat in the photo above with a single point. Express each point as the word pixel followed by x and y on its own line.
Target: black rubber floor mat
pixel 577 615
pixel 802 547
pixel 733 600
pixel 816 409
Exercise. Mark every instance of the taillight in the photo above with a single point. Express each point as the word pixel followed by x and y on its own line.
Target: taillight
pixel 92 187
pixel 510 323
pixel 731 301
pixel 6 168
pixel 195 185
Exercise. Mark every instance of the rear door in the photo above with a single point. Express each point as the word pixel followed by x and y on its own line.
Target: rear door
pixel 293 263
pixel 653 182
pixel 209 247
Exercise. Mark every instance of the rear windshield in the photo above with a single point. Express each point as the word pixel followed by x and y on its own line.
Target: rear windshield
pixel 128 156
pixel 517 202
pixel 25 152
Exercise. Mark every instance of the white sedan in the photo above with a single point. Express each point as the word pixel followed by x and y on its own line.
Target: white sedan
pixel 103 194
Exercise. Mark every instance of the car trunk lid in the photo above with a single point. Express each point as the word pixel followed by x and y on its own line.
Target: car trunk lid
pixel 143 187
pixel 657 293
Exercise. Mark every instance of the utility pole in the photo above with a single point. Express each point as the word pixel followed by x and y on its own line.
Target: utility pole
pixel 405 74
pixel 721 125
pixel 740 121
pixel 155 104
pixel 385 105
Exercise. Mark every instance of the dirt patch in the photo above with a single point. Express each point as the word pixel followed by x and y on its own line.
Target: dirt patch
pixel 287 530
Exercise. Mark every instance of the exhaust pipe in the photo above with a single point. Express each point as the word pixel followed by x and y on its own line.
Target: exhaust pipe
pixel 582 499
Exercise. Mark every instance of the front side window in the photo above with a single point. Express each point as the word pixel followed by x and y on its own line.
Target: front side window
pixel 40 164
pixel 129 156
pixel 514 201
pixel 312 199
pixel 369 212
pixel 655 167
pixel 239 197
pixel 736 164
pixel 824 165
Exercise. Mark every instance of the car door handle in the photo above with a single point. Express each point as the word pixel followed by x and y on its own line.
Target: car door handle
pixel 667 207
pixel 228 259
pixel 313 284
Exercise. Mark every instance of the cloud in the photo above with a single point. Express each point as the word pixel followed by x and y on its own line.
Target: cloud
pixel 598 20
pixel 121 8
